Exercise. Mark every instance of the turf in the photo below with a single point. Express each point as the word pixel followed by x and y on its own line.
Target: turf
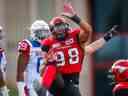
pixel 13 92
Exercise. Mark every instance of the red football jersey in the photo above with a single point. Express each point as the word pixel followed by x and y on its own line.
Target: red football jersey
pixel 69 53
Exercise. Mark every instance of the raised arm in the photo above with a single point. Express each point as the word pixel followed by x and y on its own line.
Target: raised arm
pixel 101 41
pixel 86 29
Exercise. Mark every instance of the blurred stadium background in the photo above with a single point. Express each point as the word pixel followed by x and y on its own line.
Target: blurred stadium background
pixel 17 15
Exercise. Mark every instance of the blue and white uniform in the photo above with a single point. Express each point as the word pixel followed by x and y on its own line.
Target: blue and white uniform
pixel 3 62
pixel 31 73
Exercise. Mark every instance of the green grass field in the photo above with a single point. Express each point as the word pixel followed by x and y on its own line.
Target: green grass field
pixel 13 92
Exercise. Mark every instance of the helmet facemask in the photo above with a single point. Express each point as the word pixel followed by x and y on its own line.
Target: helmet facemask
pixel 41 33
pixel 111 78
pixel 60 30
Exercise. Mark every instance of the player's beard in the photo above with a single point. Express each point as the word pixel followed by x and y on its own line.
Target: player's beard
pixel 61 37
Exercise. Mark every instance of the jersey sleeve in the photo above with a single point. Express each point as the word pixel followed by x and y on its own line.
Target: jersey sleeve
pixel 23 46
pixel 75 31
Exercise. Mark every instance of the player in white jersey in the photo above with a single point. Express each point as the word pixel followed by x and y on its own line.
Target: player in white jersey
pixel 3 62
pixel 30 58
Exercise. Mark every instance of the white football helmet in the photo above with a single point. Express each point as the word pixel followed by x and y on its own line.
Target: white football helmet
pixel 40 29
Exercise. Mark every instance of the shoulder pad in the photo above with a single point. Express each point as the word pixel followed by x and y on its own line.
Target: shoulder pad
pixel 23 46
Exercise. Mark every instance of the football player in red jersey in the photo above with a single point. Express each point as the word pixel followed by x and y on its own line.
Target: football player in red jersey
pixel 64 52
pixel 120 73
pixel 3 88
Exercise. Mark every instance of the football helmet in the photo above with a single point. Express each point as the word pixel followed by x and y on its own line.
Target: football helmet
pixel 59 27
pixel 40 29
pixel 120 71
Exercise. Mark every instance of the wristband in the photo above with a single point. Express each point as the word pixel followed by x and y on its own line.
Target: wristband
pixel 108 36
pixel 76 19
pixel 112 32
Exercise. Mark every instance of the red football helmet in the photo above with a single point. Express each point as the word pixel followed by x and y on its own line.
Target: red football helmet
pixel 59 27
pixel 120 70
pixel 56 20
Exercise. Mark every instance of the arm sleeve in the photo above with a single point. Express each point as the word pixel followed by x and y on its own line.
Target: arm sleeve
pixel 75 32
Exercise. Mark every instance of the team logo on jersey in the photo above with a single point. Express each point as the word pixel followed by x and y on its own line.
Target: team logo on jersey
pixel 56 45
pixel 69 41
